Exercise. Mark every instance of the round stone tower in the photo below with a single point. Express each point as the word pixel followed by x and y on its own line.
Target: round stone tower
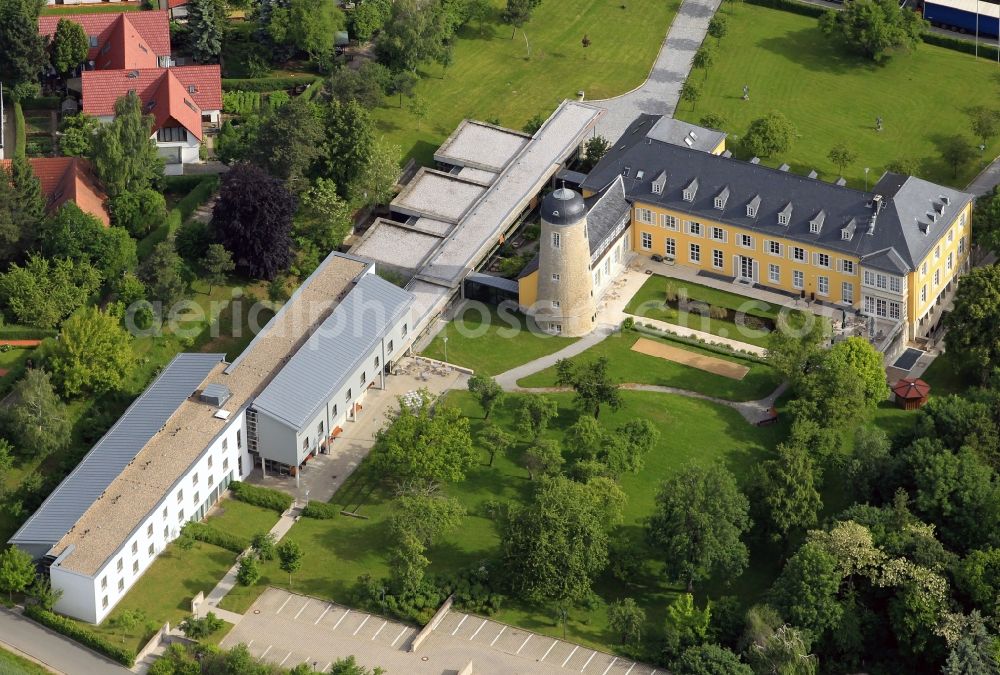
pixel 565 303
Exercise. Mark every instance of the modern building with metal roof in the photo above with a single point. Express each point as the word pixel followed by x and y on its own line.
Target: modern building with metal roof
pixel 114 451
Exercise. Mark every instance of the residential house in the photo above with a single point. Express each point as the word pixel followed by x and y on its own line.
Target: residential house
pixel 68 179
pixel 125 40
pixel 182 101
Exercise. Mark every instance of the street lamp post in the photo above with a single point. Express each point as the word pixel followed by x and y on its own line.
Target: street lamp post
pixel 445 340
pixel 867 169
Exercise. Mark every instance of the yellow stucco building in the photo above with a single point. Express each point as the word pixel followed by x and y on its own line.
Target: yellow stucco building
pixel 892 253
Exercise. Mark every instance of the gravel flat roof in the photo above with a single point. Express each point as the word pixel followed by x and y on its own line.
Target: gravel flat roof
pixel 397 246
pixel 112 519
pixel 431 225
pixel 438 195
pixel 481 145
pixel 477 175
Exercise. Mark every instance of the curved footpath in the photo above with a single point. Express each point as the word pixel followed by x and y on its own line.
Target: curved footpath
pixel 661 91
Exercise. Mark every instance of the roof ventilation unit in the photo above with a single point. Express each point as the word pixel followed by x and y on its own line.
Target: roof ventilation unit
pixel 215 394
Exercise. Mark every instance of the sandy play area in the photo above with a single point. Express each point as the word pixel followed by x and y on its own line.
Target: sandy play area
pixel 707 363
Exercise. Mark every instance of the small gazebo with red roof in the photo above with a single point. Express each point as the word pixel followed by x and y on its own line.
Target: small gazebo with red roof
pixel 911 393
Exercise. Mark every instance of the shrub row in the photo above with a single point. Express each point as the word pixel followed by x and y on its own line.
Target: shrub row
pixel 198 196
pixel 265 498
pixel 241 102
pixel 695 342
pixel 76 632
pixel 267 83
pixel 14 332
pixel 41 103
pixel 954 43
pixel 210 535
pixel 182 184
pixel 320 511
pixel 202 191
pixel 20 131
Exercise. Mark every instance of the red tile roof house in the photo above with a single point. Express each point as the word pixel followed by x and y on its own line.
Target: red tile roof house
pixel 181 101
pixel 68 179
pixel 128 40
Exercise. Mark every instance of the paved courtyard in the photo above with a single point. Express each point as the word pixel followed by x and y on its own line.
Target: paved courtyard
pixel 289 629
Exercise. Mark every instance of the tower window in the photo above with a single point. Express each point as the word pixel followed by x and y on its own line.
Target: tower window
pixel 556 240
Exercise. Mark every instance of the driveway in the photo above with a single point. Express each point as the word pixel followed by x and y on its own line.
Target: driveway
pixel 289 629
pixel 661 91
pixel 59 653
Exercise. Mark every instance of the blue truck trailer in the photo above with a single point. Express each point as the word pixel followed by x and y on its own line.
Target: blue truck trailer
pixel 961 15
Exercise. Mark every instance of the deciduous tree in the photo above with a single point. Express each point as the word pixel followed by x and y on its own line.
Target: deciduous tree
pixel 162 273
pixel 425 444
pixel 842 156
pixel 77 135
pixel 594 150
pixel 218 265
pixel 43 292
pixel 592 383
pixel 416 32
pixel 806 591
pixel 718 27
pixel 544 457
pixel 984 122
pixel 534 414
pixel 554 547
pixel 874 28
pixel 124 152
pixel 690 92
pixel 709 659
pixel 93 354
pixel 350 142
pixel 488 393
pixel 495 440
pixel 686 624
pixel 784 494
pixel 17 571
pixel 698 520
pixel 252 219
pixel 37 419
pixel 957 151
pixel 289 557
pixel 625 618
pixel 23 57
pixel 75 235
pixel 974 322
pixel 69 47
pixel 369 17
pixel 289 142
pixel 769 135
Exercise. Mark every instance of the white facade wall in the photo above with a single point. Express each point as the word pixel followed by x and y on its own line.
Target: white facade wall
pixel 92 598
pixel 607 268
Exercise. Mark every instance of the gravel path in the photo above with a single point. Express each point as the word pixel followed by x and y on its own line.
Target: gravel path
pixel 660 92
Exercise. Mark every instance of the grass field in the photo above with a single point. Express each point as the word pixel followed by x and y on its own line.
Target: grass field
pixel 649 301
pixel 632 367
pixel 833 97
pixel 494 346
pixel 492 77
pixel 337 551
pixel 13 664
pixel 165 590
pixel 946 376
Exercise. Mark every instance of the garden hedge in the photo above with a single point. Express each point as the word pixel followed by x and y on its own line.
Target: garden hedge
pixel 205 186
pixel 210 535
pixel 15 332
pixel 20 131
pixel 265 498
pixel 694 342
pixel 74 631
pixel 320 511
pixel 267 83
pixel 41 103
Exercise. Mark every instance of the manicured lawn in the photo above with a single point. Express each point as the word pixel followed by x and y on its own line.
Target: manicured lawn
pixel 833 97
pixel 12 664
pixel 492 77
pixel 165 590
pixel 635 368
pixel 492 344
pixel 946 376
pixel 337 551
pixel 649 301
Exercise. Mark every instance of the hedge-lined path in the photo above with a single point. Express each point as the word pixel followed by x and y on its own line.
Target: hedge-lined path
pixel 56 651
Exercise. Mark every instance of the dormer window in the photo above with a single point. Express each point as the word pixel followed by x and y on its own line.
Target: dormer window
pixel 721 198
pixel 639 174
pixel 845 234
pixel 785 215
pixel 752 206
pixel 192 89
pixel 660 183
pixel 93 41
pixel 691 190
pixel 626 171
pixel 816 224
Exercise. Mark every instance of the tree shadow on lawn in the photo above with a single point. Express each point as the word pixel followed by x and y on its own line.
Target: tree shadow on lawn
pixel 810 49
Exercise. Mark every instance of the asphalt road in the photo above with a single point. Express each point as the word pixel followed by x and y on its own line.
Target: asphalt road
pixel 53 649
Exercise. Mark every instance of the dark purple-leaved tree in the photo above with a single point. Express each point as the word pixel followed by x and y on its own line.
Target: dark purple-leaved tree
pixel 252 219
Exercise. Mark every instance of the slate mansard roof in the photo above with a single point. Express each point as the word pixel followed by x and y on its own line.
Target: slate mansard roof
pixel 892 227
pixel 116 449
pixel 333 353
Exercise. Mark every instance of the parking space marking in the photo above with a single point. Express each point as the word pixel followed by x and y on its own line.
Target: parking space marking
pixel 485 621
pixel 522 645
pixel 336 625
pixel 554 643
pixel 610 665
pixel 326 668
pixel 575 647
pixel 250 644
pixel 588 662
pixel 287 600
pixel 384 624
pixel 328 606
pixel 630 669
pixel 266 651
pixel 368 616
pixel 396 640
pixel 460 624
pixel 498 635
pixel 299 613
pixel 285 659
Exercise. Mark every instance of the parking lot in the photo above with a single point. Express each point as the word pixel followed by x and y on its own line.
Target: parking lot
pixel 289 629
pixel 556 655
